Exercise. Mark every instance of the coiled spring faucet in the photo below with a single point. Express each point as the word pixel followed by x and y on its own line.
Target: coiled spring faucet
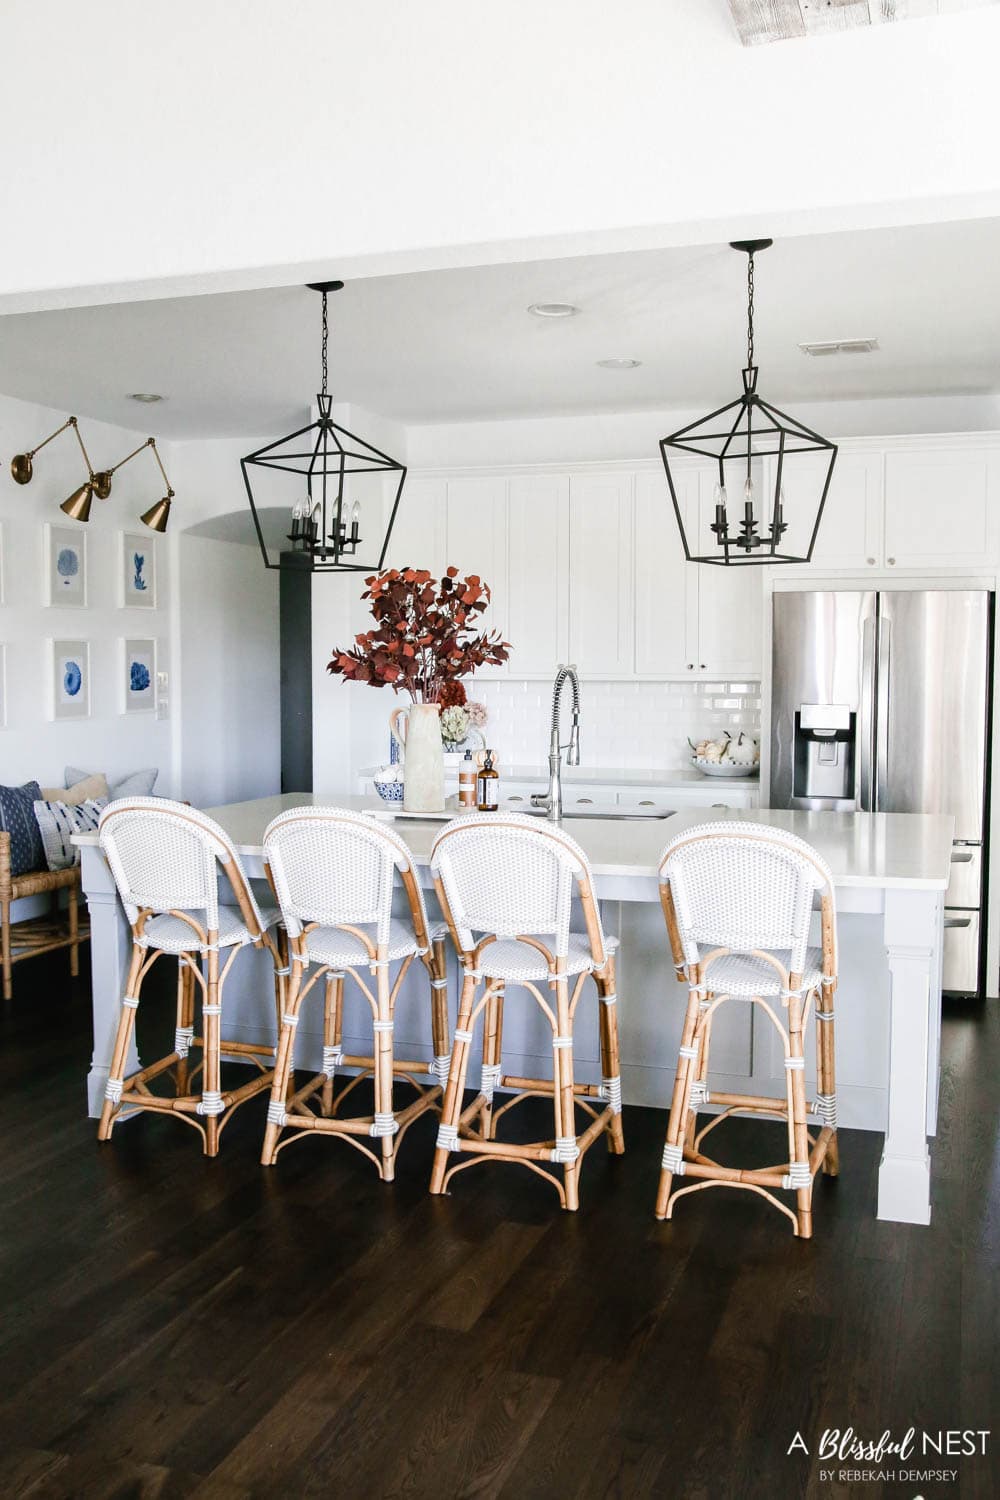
pixel 552 801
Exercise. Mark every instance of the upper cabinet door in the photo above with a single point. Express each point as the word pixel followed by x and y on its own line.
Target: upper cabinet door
pixel 538 615
pixel 941 508
pixel 730 604
pixel 666 587
pixel 600 574
pixel 850 531
pixel 418 533
pixel 476 542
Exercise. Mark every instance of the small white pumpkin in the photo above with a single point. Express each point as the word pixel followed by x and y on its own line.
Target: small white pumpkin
pixel 742 750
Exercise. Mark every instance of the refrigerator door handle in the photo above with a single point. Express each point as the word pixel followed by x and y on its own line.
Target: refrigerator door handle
pixel 958 921
pixel 881 788
pixel 866 728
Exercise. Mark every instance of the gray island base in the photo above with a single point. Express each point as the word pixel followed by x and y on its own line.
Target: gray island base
pixel 890 874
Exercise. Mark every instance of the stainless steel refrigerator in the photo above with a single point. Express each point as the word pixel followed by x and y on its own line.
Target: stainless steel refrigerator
pixel 880 703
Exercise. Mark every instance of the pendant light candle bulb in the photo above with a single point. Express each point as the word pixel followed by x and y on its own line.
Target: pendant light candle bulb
pixel 355 522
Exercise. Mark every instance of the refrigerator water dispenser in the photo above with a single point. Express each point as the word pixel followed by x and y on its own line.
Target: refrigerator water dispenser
pixel 823 758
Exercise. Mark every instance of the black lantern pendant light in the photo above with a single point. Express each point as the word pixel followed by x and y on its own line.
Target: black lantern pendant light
pixel 754 446
pixel 324 533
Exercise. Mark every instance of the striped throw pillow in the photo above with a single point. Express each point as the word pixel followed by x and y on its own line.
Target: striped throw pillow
pixel 57 823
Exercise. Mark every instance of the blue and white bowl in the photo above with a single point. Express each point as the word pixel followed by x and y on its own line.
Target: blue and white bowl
pixel 389 791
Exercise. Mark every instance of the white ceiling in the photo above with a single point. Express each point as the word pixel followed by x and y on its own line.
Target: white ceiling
pixel 458 345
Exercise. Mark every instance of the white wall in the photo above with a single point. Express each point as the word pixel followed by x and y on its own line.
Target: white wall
pixel 228 704
pixel 33 746
pixel 457 132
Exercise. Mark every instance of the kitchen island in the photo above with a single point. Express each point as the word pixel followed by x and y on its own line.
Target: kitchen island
pixel 890 873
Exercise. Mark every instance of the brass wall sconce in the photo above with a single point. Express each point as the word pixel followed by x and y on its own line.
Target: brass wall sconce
pixel 98 483
pixel 78 505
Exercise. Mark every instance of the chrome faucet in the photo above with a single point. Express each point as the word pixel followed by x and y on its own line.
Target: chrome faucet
pixel 552 801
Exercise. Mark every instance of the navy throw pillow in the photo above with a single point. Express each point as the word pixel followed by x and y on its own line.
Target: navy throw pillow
pixel 17 817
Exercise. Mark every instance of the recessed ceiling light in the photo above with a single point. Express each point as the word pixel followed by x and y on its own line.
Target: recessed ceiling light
pixel 619 364
pixel 145 396
pixel 553 310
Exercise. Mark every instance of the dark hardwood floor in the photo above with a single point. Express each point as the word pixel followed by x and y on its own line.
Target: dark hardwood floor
pixel 178 1327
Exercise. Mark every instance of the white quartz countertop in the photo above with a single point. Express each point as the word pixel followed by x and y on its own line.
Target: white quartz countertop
pixel 614 776
pixel 864 850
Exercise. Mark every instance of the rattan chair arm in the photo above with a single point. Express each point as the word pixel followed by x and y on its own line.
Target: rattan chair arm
pixel 5 876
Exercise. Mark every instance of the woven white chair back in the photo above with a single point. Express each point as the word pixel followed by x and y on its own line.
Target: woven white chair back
pixel 165 856
pixel 743 886
pixel 333 867
pixel 509 874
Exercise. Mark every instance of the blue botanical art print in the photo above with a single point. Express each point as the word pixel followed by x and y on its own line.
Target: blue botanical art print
pixel 139 675
pixel 71 679
pixel 138 571
pixel 67 565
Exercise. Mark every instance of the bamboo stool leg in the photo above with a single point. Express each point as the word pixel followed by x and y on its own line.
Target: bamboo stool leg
pixel 797 1127
pixel 565 1110
pixel 385 1121
pixel 74 933
pixel 282 1065
pixel 439 999
pixel 452 1107
pixel 126 1021
pixel 677 1121
pixel 8 984
pixel 333 1028
pixel 211 1098
pixel 185 1018
pixel 825 1070
pixel 492 1034
pixel 610 1060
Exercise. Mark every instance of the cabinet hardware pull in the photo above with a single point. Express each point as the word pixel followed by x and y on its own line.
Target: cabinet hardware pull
pixel 891 561
pixel 580 800
pixel 516 798
pixel 690 666
pixel 870 561
pixel 701 667
pixel 720 804
pixel 647 802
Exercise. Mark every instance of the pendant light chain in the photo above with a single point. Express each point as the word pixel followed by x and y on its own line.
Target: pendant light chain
pixel 326 341
pixel 750 311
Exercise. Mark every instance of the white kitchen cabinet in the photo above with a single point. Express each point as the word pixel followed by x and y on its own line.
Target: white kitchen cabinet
pixel 539 583
pixel 476 542
pixel 666 595
pixel 850 531
pixel 600 574
pixel 716 794
pixel 418 533
pixel 941 508
pixel 690 617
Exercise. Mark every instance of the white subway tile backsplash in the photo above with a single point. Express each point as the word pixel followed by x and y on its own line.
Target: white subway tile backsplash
pixel 628 724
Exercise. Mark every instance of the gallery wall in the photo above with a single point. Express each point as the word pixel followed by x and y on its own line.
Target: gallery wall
pixel 33 743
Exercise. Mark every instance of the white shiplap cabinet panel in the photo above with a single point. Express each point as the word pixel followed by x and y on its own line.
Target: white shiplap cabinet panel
pixel 476 542
pixel 941 508
pixel 600 573
pixel 539 583
pixel 666 602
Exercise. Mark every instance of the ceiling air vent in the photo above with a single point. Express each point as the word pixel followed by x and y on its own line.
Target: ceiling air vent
pixel 841 346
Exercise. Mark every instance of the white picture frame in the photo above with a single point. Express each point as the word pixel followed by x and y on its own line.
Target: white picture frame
pixel 137 570
pixel 138 676
pixel 70 684
pixel 3 563
pixel 65 567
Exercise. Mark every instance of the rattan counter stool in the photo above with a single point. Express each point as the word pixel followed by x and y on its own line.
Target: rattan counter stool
pixel 166 859
pixel 505 876
pixel 738 899
pixel 333 874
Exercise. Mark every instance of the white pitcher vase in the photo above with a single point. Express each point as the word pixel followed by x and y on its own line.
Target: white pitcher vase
pixel 417 731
